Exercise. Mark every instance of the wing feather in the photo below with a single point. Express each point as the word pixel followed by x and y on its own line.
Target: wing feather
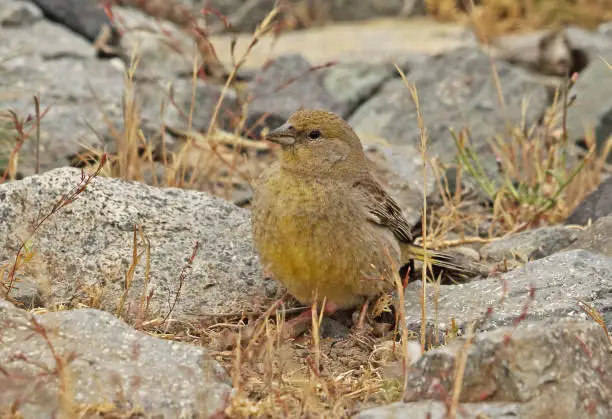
pixel 383 209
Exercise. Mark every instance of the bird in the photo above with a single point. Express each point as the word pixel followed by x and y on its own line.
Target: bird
pixel 322 225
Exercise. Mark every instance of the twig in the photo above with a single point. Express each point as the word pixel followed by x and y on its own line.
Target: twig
pixel 459 373
pixel 62 202
pixel 423 137
pixel 261 29
pixel 22 135
pixel 182 277
pixel 37 108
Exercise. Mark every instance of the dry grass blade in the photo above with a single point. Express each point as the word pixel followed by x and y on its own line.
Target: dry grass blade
pixel 62 202
pixel 262 28
pixel 401 323
pixel 146 296
pixel 24 128
pixel 536 184
pixel 129 275
pixel 182 276
pixel 596 316
pixel 460 372
pixel 317 318
pixel 423 143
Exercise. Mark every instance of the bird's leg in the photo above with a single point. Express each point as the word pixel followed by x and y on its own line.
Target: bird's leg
pixel 409 271
pixel 297 325
pixel 362 315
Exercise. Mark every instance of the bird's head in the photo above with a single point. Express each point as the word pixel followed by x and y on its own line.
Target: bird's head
pixel 319 142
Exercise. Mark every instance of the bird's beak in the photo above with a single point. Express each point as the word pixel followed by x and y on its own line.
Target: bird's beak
pixel 283 135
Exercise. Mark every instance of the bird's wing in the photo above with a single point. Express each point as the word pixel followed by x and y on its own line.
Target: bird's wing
pixel 382 209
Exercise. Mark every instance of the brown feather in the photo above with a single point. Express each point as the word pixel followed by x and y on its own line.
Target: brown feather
pixel 383 209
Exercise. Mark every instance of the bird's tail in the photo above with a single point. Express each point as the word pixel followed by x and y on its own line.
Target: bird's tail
pixel 451 262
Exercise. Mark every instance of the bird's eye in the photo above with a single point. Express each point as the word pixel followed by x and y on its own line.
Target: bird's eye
pixel 313 135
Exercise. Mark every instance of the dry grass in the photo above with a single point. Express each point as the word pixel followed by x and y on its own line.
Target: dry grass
pixel 542 177
pixel 216 161
pixel 273 377
pixel 312 376
pixel 491 18
pixel 318 376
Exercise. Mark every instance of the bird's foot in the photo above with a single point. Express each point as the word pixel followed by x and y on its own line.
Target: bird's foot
pixel 298 324
pixel 359 327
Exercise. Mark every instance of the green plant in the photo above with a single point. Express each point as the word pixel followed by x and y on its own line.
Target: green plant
pixel 536 182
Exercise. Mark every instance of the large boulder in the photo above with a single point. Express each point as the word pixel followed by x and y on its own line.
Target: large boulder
pixel 596 205
pixel 543 289
pixel 85 251
pixel 85 94
pixel 592 109
pixel 87 360
pixel 291 83
pixel 528 245
pixel 455 90
pixel 553 369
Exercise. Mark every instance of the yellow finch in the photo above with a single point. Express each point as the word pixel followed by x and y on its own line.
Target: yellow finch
pixel 322 225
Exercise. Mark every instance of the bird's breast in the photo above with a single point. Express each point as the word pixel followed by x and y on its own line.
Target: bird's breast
pixel 305 208
pixel 314 235
pixel 301 227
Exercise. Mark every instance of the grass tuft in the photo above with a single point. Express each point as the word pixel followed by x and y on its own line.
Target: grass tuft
pixel 542 177
pixel 491 18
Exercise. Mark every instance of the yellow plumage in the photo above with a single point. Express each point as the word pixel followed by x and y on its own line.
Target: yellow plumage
pixel 306 236
pixel 321 223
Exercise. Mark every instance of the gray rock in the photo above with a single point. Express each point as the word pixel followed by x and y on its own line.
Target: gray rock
pixel 18 13
pixel 284 87
pixel 352 10
pixel 244 16
pixel 597 204
pixel 533 371
pixel 353 82
pixel 605 29
pixel 106 362
pixel 74 117
pixel 48 60
pixel 455 90
pixel 593 105
pixel 171 11
pixel 413 8
pixel 165 58
pixel 82 92
pixel 27 294
pixel 587 41
pixel 597 238
pixel 42 38
pixel 206 98
pixel 84 17
pixel 87 247
pixel 408 62
pixel 546 51
pixel 552 52
pixel 555 283
pixel 164 51
pixel 291 83
pixel 431 409
pixel 529 245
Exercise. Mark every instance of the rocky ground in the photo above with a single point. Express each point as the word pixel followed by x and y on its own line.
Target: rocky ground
pixel 136 291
